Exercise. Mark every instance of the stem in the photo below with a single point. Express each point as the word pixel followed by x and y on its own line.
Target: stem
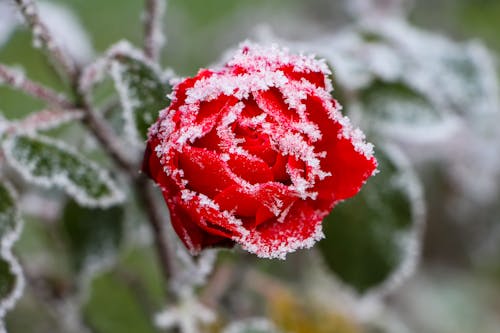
pixel 42 35
pixel 17 80
pixel 153 19
pixel 105 135
pixel 156 218
pixel 96 123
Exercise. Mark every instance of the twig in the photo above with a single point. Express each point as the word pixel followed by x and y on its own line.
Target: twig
pixel 157 221
pixel 100 128
pixel 18 80
pixel 105 135
pixel 42 36
pixel 153 35
pixel 218 284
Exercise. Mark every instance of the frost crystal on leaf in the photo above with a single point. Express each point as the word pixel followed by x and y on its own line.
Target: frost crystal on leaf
pixel 10 228
pixel 47 163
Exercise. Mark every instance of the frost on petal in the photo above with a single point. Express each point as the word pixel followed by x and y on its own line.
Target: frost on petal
pixel 256 153
pixel 274 239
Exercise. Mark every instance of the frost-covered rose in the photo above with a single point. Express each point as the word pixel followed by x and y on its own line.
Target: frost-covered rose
pixel 256 153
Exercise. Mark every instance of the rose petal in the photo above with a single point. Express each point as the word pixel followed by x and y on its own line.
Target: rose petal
pixel 193 237
pixel 275 197
pixel 252 170
pixel 209 217
pixel 205 171
pixel 316 78
pixel 279 170
pixel 234 199
pixel 272 102
pixel 349 168
pixel 152 167
pixel 299 229
pixel 181 89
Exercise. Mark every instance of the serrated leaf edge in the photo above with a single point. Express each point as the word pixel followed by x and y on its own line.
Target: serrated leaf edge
pixel 6 244
pixel 413 238
pixel 109 64
pixel 116 197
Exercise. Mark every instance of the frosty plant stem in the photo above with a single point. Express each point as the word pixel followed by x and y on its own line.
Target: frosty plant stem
pixel 17 80
pixel 154 39
pixel 97 125
pixel 42 37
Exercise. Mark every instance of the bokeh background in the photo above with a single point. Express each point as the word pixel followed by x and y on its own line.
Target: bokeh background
pixel 456 287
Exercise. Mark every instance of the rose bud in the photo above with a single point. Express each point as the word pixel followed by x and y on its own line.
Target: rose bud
pixel 256 153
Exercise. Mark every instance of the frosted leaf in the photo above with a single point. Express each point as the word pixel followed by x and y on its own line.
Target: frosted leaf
pixel 403 113
pixel 142 93
pixel 44 120
pixel 140 84
pixel 252 325
pixel 391 50
pixel 372 241
pixel 67 30
pixel 48 163
pixel 11 276
pixel 188 314
pixel 465 72
pixel 94 235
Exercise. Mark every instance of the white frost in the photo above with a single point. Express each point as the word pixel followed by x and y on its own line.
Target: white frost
pixel 6 244
pixel 61 178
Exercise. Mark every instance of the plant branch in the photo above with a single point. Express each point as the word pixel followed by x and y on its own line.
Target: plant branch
pixel 43 37
pixel 157 221
pixel 18 80
pixel 153 24
pixel 97 124
pixel 105 135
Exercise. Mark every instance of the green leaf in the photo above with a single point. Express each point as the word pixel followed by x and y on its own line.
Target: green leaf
pixel 11 277
pixel 48 163
pixel 113 307
pixel 373 237
pixel 396 103
pixel 469 79
pixel 142 93
pixel 94 234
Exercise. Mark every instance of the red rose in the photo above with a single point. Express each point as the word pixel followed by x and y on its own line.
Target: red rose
pixel 256 153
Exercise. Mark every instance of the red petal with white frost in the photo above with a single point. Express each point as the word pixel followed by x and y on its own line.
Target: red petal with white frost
pixel 181 89
pixel 276 198
pixel 316 78
pixel 271 102
pixel 234 199
pixel 193 237
pixel 205 171
pixel 253 170
pixel 274 239
pixel 152 167
pixel 349 168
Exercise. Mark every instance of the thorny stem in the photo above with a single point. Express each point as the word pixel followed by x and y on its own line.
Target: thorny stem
pixel 153 36
pixel 19 81
pixel 41 33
